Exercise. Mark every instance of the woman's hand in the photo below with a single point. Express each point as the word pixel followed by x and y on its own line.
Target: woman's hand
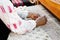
pixel 33 16
pixel 41 21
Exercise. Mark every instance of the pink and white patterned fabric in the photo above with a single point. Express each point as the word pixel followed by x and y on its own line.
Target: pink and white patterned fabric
pixel 17 2
pixel 10 17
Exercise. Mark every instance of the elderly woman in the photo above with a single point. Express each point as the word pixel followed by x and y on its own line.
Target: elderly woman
pixel 14 22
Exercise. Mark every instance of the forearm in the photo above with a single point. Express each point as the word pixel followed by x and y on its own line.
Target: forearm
pixel 16 24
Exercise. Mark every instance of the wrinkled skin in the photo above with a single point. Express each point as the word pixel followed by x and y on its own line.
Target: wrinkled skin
pixel 39 20
pixel 33 16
